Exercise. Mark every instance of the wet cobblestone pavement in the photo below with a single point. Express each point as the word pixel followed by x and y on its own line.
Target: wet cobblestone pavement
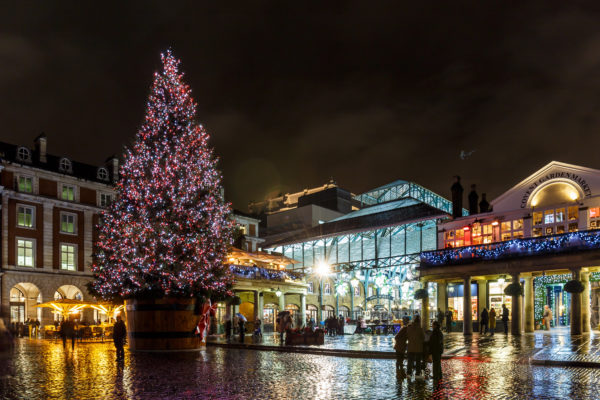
pixel 43 370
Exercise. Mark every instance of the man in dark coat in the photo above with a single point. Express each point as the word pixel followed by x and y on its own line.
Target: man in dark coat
pixel 67 330
pixel 483 321
pixel 440 316
pixel 448 321
pixel 400 344
pixel 505 318
pixel 436 348
pixel 119 335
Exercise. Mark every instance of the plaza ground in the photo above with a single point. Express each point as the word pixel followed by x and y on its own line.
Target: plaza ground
pixel 480 367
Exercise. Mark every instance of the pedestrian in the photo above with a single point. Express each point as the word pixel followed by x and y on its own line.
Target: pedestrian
pixel 119 337
pixel 440 316
pixel 492 321
pixel 505 318
pixel 242 329
pixel 67 331
pixel 257 328
pixel 341 325
pixel 483 321
pixel 436 348
pixel 281 326
pixel 416 337
pixel 228 327
pixel 547 317
pixel 37 327
pixel 400 345
pixel 449 321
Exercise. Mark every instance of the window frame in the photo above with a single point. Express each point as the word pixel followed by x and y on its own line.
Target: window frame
pixel 60 256
pixel 327 288
pixel 311 287
pixel 102 171
pixel 65 165
pixel 24 176
pixel 33 251
pixel 67 214
pixel 66 185
pixel 26 206
pixel 26 159
pixel 105 194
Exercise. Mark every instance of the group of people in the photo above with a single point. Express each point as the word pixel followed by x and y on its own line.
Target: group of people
pixel 29 327
pixel 488 320
pixel 416 345
pixel 335 325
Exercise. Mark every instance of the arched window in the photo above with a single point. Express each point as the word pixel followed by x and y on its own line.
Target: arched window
pixel 64 165
pixel 102 174
pixel 23 154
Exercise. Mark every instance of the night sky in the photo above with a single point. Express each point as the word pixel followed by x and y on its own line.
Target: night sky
pixel 295 93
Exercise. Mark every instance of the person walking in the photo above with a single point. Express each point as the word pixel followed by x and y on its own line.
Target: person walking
pixel 400 344
pixel 228 327
pixel 483 321
pixel 416 338
pixel 440 316
pixel 505 318
pixel 449 321
pixel 341 323
pixel 119 336
pixel 436 348
pixel 492 321
pixel 67 330
pixel 547 317
pixel 242 329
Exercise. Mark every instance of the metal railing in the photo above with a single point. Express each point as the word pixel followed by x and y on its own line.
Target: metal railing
pixel 554 244
pixel 258 273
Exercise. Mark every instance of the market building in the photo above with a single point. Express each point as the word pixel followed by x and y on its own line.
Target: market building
pixel 50 206
pixel 541 233
pixel 363 263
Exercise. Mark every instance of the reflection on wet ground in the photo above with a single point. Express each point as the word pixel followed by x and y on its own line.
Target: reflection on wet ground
pixel 42 370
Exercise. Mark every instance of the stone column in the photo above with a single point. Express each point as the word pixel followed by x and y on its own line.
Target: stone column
pixel 467 317
pixel 425 307
pixel 585 302
pixel 516 305
pixel 442 296
pixel 261 306
pixel 576 326
pixel 282 302
pixel 256 314
pixel 320 311
pixel 529 302
pixel 303 309
pixel 482 296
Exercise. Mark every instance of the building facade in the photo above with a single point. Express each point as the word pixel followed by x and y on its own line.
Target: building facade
pixel 50 206
pixel 541 233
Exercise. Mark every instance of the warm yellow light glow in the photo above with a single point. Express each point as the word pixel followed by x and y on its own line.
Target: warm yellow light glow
pixel 573 195
pixel 534 202
pixel 322 268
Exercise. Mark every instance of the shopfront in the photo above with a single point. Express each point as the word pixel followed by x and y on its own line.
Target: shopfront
pixel 455 301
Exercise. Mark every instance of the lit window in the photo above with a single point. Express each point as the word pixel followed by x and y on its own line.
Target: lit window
pixel 537 218
pixel 573 227
pixel 594 218
pixel 65 165
pixel 517 224
pixel 23 154
pixel 594 212
pixel 549 217
pixel 25 184
pixel 560 215
pixel 560 229
pixel 506 226
pixel 25 216
pixel 357 290
pixel 102 174
pixel 573 213
pixel 327 288
pixel 549 230
pixel 310 288
pixel 370 291
pixel 67 193
pixel 105 199
pixel 67 257
pixel 25 257
pixel 537 232
pixel 67 222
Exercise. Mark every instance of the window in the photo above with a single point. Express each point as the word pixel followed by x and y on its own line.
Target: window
pixel 560 215
pixel 512 229
pixel 68 255
pixel 25 252
pixel 64 165
pixel 105 199
pixel 311 288
pixel 25 216
pixel 537 218
pixel 573 227
pixel 67 222
pixel 573 213
pixel 327 288
pixel 357 290
pixel 102 174
pixel 67 193
pixel 25 184
pixel 549 217
pixel 23 154
pixel 537 232
pixel 594 217
pixel 370 291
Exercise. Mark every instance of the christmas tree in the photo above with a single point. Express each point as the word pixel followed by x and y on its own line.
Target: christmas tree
pixel 167 232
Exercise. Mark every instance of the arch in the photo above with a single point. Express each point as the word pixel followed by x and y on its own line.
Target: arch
pixel 68 292
pixel 556 191
pixel 328 311
pixel 344 311
pixel 23 298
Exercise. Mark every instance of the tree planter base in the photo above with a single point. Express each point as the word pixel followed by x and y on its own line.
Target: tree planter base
pixel 162 325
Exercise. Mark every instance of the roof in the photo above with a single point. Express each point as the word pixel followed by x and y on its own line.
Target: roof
pixel 393 213
pixel 8 152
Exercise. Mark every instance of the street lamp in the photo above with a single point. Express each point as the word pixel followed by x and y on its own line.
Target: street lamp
pixel 278 292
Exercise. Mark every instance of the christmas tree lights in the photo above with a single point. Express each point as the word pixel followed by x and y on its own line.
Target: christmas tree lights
pixel 167 232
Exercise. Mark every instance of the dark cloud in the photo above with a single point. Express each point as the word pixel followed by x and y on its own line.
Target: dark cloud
pixel 295 93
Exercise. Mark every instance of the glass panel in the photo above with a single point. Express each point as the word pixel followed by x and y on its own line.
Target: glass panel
pixel 549 217
pixel 537 232
pixel 560 214
pixel 25 184
pixel 517 234
pixel 506 236
pixel 537 218
pixel 560 229
pixel 573 213
pixel 517 224
pixel 506 226
pixel 573 227
pixel 594 212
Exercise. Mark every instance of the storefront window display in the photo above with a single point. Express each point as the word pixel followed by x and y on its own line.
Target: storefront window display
pixel 455 301
pixel 497 296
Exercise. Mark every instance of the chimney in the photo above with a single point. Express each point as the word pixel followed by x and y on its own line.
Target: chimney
pixel 112 163
pixel 457 197
pixel 484 206
pixel 473 199
pixel 40 148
